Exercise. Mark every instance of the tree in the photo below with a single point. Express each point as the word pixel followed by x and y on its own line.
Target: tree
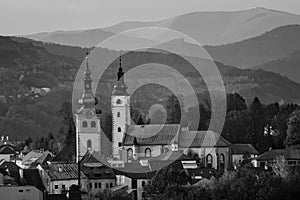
pixel 173 110
pixel 235 102
pixel 293 132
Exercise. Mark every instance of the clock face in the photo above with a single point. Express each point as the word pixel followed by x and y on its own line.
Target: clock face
pixel 89 114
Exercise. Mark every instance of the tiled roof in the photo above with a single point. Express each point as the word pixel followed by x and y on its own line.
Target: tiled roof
pixel 47 156
pixel 94 166
pixel 62 171
pixel 197 139
pixel 7 149
pixel 289 154
pixel 152 134
pixel 32 156
pixel 135 170
pixel 11 166
pixel 172 156
pixel 243 149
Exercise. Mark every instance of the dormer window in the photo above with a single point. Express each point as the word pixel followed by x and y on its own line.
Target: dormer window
pixel 119 129
pixel 119 101
pixel 118 114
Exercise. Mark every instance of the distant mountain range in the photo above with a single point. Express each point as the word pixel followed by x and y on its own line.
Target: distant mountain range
pixel 288 66
pixel 208 28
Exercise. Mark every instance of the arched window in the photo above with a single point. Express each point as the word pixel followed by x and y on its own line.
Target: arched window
pixel 222 161
pixel 89 144
pixel 119 101
pixel 84 124
pixel 129 154
pixel 209 161
pixel 148 153
pixel 93 124
pixel 119 129
pixel 118 114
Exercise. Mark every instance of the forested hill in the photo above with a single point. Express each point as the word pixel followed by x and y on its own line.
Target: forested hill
pixel 25 63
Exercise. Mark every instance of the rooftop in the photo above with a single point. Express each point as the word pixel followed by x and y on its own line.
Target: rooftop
pixel 243 149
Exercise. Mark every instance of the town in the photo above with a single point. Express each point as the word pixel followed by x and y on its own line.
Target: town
pixel 147 161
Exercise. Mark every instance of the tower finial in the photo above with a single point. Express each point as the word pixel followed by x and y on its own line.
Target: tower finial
pixel 87 71
pixel 87 58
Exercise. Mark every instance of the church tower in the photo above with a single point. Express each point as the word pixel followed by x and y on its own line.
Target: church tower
pixel 120 106
pixel 88 130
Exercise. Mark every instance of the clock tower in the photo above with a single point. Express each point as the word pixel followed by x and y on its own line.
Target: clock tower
pixel 88 130
pixel 120 106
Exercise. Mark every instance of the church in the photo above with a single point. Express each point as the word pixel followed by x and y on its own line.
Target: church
pixel 131 142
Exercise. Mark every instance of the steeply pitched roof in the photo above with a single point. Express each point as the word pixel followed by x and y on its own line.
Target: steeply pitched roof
pixel 197 139
pixel 62 171
pixel 32 156
pixel 7 149
pixel 32 177
pixel 171 156
pixel 152 134
pixel 289 154
pixel 135 170
pixel 243 149
pixel 10 166
pixel 94 166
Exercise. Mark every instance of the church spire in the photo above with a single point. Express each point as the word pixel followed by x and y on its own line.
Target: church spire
pixel 120 88
pixel 88 99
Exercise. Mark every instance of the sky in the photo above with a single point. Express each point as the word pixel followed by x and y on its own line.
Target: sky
pixel 20 17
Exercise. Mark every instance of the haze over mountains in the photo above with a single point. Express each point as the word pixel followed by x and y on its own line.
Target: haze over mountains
pixel 259 40
pixel 208 28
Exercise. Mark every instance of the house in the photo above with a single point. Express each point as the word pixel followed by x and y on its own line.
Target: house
pixel 35 157
pixel 239 152
pixel 59 177
pixel 269 158
pixel 135 175
pixel 26 192
pixel 99 174
pixel 17 183
pixel 7 152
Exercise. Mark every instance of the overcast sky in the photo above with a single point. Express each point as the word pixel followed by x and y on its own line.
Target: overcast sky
pixel 31 16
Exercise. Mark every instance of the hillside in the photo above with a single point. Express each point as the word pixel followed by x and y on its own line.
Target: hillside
pixel 288 66
pixel 208 28
pixel 25 63
pixel 267 47
pixel 248 53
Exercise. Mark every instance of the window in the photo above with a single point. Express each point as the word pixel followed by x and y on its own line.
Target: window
pixel 119 129
pixel 55 186
pixel 118 114
pixel 95 185
pixel 99 185
pixel 111 185
pixel 119 101
pixel 129 154
pixel 27 190
pixel 84 124
pixel 20 190
pixel 90 185
pixel 63 187
pixel 89 144
pixel 147 152
pixel 222 161
pixel 93 124
pixel 209 161
pixel 107 185
pixel 143 183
